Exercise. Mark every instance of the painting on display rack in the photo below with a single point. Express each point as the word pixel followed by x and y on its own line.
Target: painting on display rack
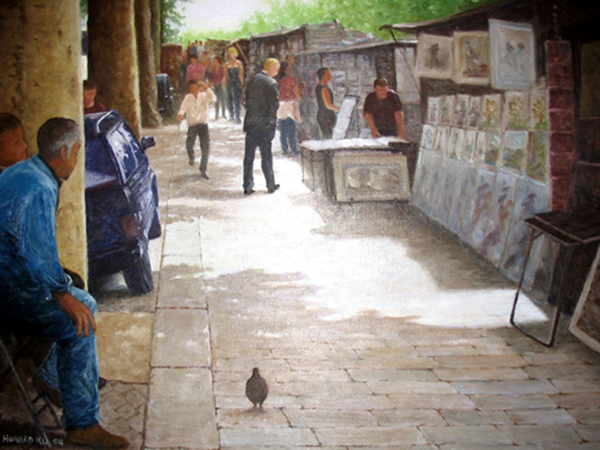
pixel 585 323
pixel 512 54
pixel 472 57
pixel 435 56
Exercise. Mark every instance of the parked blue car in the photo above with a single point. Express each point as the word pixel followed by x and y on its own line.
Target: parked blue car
pixel 121 198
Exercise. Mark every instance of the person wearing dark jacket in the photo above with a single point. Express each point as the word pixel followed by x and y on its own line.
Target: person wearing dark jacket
pixel 260 121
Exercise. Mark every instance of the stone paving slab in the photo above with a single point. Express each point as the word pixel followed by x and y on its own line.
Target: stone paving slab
pixel 250 437
pixel 370 436
pixel 181 412
pixel 185 330
pixel 473 434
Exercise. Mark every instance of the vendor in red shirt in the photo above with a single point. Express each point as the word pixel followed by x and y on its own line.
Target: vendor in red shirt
pixel 90 105
pixel 383 111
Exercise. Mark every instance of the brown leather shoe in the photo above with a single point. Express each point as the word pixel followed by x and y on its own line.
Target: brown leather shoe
pixel 96 437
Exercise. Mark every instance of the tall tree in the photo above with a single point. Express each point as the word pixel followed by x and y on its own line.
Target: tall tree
pixel 155 31
pixel 147 73
pixel 112 57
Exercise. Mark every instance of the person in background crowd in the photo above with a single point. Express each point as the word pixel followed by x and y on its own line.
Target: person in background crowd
pixel 195 108
pixel 195 70
pixel 38 297
pixel 326 116
pixel 234 80
pixel 217 79
pixel 206 62
pixel 90 105
pixel 382 111
pixel 288 112
pixel 13 147
pixel 262 102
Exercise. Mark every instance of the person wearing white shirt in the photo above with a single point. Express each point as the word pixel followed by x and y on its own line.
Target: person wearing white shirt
pixel 194 108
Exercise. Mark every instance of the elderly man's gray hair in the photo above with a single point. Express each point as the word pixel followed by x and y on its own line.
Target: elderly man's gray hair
pixel 55 134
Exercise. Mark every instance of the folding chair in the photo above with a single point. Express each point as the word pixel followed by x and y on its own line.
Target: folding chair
pixel 19 348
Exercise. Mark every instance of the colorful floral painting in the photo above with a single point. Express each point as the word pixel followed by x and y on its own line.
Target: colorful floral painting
pixel 472 57
pixel 435 56
pixel 514 149
pixel 493 147
pixel 538 110
pixel 516 112
pixel 512 54
pixel 537 157
pixel 490 111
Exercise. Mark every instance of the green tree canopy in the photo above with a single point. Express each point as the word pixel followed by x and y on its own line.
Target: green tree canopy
pixel 366 16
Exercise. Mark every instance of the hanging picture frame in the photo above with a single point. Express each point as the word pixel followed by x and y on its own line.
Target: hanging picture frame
pixel 435 56
pixel 512 50
pixel 472 57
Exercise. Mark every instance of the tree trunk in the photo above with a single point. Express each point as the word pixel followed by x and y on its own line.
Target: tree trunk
pixel 112 53
pixel 148 91
pixel 156 32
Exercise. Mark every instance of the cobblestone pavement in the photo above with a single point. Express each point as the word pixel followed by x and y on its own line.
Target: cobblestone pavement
pixel 374 328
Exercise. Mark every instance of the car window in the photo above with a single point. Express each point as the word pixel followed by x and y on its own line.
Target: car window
pixel 126 151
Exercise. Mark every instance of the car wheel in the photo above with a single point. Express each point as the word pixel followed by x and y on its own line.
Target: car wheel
pixel 139 278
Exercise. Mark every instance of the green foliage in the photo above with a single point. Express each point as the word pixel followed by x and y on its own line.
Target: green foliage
pixel 171 19
pixel 362 15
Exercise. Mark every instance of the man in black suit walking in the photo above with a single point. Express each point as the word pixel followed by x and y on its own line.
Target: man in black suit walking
pixel 262 102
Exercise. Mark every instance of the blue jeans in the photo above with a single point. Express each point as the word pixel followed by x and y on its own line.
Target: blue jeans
pixel 220 103
pixel 72 361
pixel 287 134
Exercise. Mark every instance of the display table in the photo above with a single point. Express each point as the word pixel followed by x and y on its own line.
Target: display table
pixel 569 230
pixel 349 170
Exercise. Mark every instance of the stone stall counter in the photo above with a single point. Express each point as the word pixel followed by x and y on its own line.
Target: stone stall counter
pixel 349 170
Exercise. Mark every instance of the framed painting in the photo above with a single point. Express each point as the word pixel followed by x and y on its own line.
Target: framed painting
pixel 457 142
pixel 490 111
pixel 468 152
pixel 512 54
pixel 472 57
pixel 537 157
pixel 474 115
pixel 538 110
pixel 461 110
pixel 516 111
pixel 514 150
pixel 428 137
pixel 585 323
pixel 433 110
pixel 447 116
pixel 493 147
pixel 363 176
pixel 435 56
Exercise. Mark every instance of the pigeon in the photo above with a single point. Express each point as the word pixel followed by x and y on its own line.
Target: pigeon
pixel 256 388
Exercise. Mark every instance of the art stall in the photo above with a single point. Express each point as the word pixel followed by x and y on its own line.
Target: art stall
pixel 358 169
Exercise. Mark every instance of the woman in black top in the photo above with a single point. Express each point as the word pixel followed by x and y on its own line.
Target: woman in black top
pixel 326 112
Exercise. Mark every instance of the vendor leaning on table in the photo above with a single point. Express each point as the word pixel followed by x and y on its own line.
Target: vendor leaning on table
pixel 383 111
